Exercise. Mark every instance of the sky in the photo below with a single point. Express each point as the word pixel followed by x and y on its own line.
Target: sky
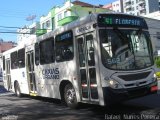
pixel 13 13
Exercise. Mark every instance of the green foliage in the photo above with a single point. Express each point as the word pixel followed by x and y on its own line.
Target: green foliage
pixel 158 74
pixel 157 62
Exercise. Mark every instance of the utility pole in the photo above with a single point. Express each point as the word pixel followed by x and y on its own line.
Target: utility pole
pixel 30 18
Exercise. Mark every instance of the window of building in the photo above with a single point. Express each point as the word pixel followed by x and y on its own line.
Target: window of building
pixel 64 46
pixel 14 64
pixel 47 51
pixel 21 58
pixel 59 16
pixel 43 25
pixel 137 7
pixel 48 24
pixel 136 1
pixel 65 14
pixel 132 2
pixel 53 23
pixel 33 30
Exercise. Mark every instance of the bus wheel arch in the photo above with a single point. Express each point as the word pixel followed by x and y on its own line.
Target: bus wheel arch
pixel 17 89
pixel 66 90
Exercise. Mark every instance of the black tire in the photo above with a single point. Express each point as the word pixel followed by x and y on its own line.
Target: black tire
pixel 17 90
pixel 70 96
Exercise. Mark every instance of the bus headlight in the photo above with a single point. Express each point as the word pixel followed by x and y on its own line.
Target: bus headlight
pixel 154 77
pixel 114 84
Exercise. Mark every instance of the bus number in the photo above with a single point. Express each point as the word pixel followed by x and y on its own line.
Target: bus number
pixel 113 61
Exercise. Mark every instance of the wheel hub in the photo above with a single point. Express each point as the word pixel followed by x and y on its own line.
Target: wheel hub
pixel 70 95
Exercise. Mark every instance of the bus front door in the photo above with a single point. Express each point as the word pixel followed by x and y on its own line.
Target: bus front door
pixel 8 74
pixel 87 69
pixel 31 73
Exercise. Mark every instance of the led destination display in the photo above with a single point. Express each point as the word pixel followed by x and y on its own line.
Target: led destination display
pixel 118 20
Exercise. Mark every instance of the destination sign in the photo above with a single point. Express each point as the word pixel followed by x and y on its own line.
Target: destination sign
pixel 119 20
pixel 65 36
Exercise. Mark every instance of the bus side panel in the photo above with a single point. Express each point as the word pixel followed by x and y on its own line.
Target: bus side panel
pixel 46 85
pixel 5 81
pixel 68 72
pixel 20 76
pixel 49 77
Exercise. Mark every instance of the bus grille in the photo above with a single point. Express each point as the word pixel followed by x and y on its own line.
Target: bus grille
pixel 138 92
pixel 137 76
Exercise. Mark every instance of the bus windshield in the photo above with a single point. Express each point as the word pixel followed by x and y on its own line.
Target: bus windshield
pixel 125 49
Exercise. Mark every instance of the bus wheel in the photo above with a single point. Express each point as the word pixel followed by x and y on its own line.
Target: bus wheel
pixel 17 90
pixel 70 96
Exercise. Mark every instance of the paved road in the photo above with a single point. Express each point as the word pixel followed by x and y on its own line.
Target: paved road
pixel 28 108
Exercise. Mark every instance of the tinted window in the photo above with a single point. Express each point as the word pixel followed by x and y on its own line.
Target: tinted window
pixel 14 63
pixel 47 51
pixel 3 62
pixel 21 58
pixel 64 47
pixel 37 54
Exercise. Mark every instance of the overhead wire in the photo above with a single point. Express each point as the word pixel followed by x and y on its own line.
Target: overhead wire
pixel 13 30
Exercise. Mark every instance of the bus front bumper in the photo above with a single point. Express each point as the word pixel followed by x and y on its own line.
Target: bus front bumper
pixel 112 96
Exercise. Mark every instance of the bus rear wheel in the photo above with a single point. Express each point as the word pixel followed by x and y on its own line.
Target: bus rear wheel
pixel 17 90
pixel 70 96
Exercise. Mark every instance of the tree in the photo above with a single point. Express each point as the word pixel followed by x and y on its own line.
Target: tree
pixel 157 62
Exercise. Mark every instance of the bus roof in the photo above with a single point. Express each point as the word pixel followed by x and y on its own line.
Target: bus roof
pixel 79 22
pixel 12 50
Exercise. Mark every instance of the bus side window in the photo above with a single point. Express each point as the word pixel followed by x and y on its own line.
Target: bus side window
pixel 64 47
pixel 3 62
pixel 37 54
pixel 47 51
pixel 90 50
pixel 14 64
pixel 21 58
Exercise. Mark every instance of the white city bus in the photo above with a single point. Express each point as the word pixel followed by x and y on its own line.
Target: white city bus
pixel 99 59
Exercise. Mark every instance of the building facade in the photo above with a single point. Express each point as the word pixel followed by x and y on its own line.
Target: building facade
pixel 56 17
pixel 28 33
pixel 149 9
pixel 155 15
pixel 6 45
pixel 116 6
pixel 154 30
pixel 134 7
pixel 140 7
